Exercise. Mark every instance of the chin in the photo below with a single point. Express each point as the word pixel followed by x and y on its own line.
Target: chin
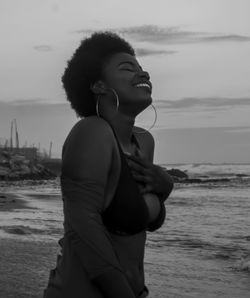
pixel 142 104
pixel 145 102
pixel 139 104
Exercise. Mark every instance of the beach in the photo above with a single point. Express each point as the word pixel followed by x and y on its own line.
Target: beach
pixel 202 250
pixel 28 238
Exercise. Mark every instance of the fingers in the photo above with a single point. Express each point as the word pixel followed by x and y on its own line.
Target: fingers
pixel 141 178
pixel 142 172
pixel 137 167
pixel 142 161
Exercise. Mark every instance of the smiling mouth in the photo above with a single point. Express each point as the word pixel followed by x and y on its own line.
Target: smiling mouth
pixel 143 85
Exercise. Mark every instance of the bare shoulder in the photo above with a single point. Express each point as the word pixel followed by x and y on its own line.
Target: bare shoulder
pixel 92 124
pixel 146 141
pixel 87 151
pixel 89 128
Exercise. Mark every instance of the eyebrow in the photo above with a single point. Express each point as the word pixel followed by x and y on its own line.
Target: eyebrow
pixel 129 62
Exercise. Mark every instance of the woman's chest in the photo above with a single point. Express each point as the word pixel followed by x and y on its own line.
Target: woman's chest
pixel 115 170
pixel 114 179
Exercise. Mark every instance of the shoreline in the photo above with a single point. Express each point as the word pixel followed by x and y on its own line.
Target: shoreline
pixel 175 254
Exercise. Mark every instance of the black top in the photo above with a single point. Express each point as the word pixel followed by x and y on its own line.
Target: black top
pixel 127 211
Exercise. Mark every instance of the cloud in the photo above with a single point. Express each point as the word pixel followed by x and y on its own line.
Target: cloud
pixel 43 48
pixel 171 35
pixel 175 35
pixel 155 34
pixel 28 101
pixel 229 37
pixel 39 101
pixel 212 102
pixel 141 52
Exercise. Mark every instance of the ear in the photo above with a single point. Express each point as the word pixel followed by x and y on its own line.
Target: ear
pixel 98 88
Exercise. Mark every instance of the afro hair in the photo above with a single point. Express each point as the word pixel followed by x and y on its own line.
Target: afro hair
pixel 85 68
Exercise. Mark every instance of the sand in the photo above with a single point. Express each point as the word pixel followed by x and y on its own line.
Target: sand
pixel 25 267
pixel 24 264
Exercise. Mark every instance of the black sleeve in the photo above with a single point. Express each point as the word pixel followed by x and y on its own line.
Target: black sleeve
pixel 83 203
pixel 114 285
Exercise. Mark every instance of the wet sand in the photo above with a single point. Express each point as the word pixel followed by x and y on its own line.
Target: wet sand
pixel 25 261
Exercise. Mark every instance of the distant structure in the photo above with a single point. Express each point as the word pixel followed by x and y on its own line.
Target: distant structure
pixel 30 153
pixel 13 123
pixel 50 149
pixel 11 146
pixel 27 162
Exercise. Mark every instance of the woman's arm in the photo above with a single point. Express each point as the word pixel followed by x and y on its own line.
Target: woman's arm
pixel 86 162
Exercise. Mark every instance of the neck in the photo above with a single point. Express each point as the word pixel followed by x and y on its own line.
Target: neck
pixel 123 126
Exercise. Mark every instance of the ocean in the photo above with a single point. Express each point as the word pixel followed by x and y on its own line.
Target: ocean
pixel 202 250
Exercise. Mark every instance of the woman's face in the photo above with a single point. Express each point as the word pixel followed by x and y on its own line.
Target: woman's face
pixel 124 74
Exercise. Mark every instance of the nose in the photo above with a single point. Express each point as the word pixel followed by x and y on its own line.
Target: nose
pixel 144 74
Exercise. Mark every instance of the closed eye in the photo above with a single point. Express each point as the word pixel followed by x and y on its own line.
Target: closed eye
pixel 129 66
pixel 128 69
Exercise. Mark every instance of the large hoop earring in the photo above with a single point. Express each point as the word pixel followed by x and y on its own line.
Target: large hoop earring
pixel 117 102
pixel 137 131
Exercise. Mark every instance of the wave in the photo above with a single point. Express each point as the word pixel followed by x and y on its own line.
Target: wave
pixel 27 230
pixel 209 250
pixel 209 170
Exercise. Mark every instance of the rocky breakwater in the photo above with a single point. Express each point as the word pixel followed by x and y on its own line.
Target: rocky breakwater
pixel 182 177
pixel 17 167
pixel 177 175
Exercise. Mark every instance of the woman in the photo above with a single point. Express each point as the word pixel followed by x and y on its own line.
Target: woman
pixel 112 191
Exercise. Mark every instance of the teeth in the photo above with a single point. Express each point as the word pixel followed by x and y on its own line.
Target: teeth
pixel 142 85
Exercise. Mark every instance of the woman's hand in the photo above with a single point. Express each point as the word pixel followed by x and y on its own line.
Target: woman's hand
pixel 155 178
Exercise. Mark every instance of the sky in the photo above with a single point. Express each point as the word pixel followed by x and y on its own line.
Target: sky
pixel 196 51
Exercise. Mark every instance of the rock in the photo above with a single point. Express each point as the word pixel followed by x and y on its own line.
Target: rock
pixel 4 171
pixel 177 173
pixel 20 169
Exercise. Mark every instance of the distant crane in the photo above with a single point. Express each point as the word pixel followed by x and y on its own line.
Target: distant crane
pixel 50 149
pixel 14 125
pixel 11 135
pixel 17 137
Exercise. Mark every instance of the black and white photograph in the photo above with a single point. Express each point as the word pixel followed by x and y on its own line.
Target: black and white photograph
pixel 125 149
